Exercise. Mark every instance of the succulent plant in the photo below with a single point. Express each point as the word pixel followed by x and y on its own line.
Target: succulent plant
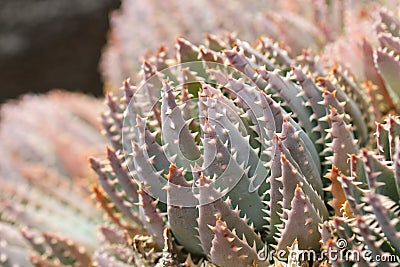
pixel 45 203
pixel 223 154
pixel 318 22
pixel 248 147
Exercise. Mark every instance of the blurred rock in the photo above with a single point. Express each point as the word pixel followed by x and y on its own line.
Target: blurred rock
pixel 46 44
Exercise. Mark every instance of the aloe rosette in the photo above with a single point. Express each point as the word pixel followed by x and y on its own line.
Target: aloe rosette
pixel 243 147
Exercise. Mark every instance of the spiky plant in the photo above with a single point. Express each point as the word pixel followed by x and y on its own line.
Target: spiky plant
pixel 247 147
pixel 317 22
pixel 45 204
pixel 222 151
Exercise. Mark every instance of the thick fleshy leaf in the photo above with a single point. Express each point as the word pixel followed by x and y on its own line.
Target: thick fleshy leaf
pixel 314 96
pixel 228 250
pixel 147 174
pixel 343 143
pixel 175 131
pixel 127 183
pixel 182 211
pixel 212 205
pixel 219 164
pixel 151 217
pixel 310 168
pixel 380 177
pixel 385 102
pixel 66 251
pixel 384 210
pixel 302 224
pixel 238 59
pixel 108 185
pixel 289 91
pixel 227 131
pixel 389 68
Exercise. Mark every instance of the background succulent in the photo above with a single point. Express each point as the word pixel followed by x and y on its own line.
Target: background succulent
pixel 228 144
pixel 318 22
pixel 45 204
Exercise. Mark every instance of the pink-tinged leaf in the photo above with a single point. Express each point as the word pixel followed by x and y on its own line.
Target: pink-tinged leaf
pixel 35 240
pixel 243 64
pixel 212 205
pixel 108 185
pixel 187 52
pixel 215 43
pixel 111 234
pixel 105 260
pixel 266 45
pixel 111 132
pixel 370 89
pixel 372 74
pixel 176 133
pixel 275 191
pixel 182 211
pixel 151 218
pixel 210 55
pixel 389 41
pixel 147 174
pixel 67 251
pixel 161 58
pixel 250 52
pixel 391 23
pixel 387 216
pixel 228 250
pixel 289 182
pixel 369 237
pixel 389 68
pixel 350 87
pixel 308 166
pixel 380 177
pixel 153 149
pixel 39 261
pixel 127 183
pixel 289 171
pixel 109 209
pixel 344 230
pixel 292 26
pixel 350 107
pixel 313 93
pixel 353 194
pixel 152 85
pixel 392 126
pixel 302 224
pixel 289 92
pixel 59 187
pixel 312 62
pixel 343 143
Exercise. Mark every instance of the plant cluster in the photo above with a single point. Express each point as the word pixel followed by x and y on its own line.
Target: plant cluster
pixel 220 150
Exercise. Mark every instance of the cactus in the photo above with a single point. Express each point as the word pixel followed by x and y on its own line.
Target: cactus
pixel 224 152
